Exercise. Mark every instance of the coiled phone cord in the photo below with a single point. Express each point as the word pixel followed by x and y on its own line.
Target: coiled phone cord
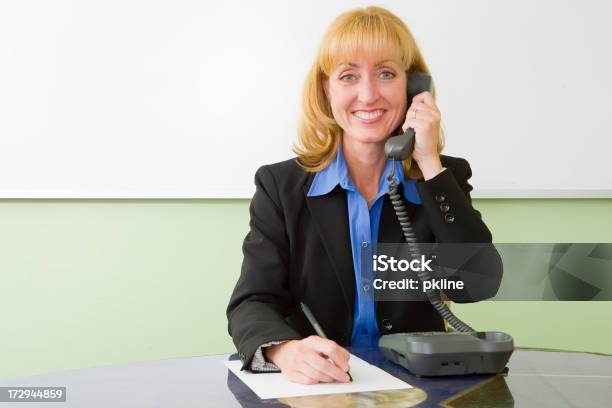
pixel 432 294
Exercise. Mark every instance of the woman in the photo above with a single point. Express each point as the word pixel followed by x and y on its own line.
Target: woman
pixel 311 215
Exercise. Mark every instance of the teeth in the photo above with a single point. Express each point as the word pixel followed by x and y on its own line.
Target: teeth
pixel 368 115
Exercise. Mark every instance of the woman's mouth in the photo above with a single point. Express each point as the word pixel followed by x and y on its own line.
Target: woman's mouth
pixel 369 117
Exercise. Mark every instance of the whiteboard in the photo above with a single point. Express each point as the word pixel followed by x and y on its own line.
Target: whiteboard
pixel 186 98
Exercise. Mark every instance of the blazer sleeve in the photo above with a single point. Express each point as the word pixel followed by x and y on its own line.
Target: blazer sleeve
pixel 261 299
pixel 448 206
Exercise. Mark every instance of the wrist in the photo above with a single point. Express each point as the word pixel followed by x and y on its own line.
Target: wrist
pixel 272 353
pixel 430 167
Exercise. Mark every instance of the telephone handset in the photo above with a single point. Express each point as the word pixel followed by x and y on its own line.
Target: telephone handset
pixel 400 147
pixel 436 353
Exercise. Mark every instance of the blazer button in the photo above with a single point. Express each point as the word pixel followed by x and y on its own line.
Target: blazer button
pixel 242 356
pixel 440 197
pixel 444 207
pixel 386 324
pixel 449 218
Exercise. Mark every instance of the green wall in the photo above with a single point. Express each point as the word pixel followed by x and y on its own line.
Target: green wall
pixel 95 282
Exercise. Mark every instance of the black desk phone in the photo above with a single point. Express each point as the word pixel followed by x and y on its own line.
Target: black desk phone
pixel 463 351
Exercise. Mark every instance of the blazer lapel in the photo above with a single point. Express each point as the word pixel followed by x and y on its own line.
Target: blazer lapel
pixel 330 214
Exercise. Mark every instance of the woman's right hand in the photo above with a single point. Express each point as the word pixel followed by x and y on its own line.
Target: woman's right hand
pixel 310 360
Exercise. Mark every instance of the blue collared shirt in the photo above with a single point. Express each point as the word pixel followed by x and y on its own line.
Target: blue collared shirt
pixel 363 226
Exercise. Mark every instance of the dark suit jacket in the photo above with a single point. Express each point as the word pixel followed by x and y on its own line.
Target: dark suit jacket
pixel 298 249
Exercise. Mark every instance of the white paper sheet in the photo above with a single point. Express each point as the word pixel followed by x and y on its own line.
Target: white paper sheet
pixel 366 377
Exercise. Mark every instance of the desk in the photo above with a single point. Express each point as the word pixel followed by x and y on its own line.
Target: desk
pixel 534 379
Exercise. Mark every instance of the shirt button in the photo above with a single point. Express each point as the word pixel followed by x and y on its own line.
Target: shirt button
pixel 364 244
pixel 366 287
pixel 449 218
pixel 444 207
pixel 440 197
pixel 386 324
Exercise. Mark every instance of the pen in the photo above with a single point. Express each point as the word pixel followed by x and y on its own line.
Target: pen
pixel 316 326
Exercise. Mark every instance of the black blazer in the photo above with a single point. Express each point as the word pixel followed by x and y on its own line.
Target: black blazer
pixel 298 249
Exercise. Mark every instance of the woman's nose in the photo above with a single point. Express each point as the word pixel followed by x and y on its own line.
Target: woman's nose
pixel 368 91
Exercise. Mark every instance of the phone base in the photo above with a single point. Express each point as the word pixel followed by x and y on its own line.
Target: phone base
pixel 441 353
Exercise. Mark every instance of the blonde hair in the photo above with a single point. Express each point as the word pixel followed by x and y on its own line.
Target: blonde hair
pixel 373 30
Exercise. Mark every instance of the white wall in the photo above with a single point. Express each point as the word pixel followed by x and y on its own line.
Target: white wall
pixel 186 98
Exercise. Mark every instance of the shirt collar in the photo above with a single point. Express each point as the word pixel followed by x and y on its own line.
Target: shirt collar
pixel 337 174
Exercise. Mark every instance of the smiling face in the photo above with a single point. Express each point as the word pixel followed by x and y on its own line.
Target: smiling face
pixel 368 97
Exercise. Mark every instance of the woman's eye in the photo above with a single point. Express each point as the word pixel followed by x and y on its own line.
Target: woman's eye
pixel 347 77
pixel 387 75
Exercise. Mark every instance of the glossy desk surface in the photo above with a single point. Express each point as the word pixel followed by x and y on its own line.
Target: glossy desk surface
pixel 533 379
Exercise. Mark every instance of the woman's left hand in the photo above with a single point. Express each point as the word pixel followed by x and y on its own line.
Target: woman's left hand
pixel 424 117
